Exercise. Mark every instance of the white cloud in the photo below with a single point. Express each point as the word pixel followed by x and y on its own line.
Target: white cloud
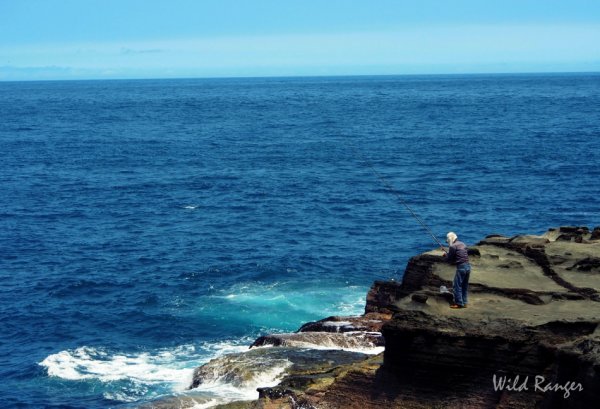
pixel 451 46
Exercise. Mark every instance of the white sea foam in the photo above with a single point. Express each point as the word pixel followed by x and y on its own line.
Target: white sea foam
pixel 363 350
pixel 295 300
pixel 170 368
pixel 246 390
pixel 336 323
pixel 96 363
pixel 208 404
pixel 329 345
pixel 130 376
pixel 217 349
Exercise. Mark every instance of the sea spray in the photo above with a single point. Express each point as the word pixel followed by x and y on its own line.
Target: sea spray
pixel 129 376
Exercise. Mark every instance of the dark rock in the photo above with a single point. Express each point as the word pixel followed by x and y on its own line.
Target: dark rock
pixel 274 393
pixel 382 295
pixel 283 396
pixel 595 234
pixel 573 233
pixel 587 264
pixel 574 229
pixel 564 237
pixel 420 298
pixel 473 252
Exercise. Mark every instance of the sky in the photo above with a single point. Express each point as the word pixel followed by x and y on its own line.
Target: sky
pixel 107 39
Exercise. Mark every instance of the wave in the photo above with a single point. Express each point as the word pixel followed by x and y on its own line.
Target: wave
pixel 301 300
pixel 230 383
pixel 131 376
pixel 98 363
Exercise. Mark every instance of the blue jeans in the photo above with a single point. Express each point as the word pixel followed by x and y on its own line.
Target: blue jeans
pixel 461 283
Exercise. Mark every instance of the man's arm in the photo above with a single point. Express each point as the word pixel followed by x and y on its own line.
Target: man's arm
pixel 451 256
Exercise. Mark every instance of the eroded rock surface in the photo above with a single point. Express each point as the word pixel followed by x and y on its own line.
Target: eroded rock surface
pixel 268 364
pixel 534 311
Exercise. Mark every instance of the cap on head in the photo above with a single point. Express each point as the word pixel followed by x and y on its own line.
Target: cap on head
pixel 451 237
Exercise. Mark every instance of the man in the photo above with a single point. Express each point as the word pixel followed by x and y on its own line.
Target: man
pixel 458 254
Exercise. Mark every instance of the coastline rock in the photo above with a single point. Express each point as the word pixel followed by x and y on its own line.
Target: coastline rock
pixel 371 322
pixel 354 333
pixel 533 314
pixel 352 340
pixel 530 337
pixel 595 234
pixel 249 369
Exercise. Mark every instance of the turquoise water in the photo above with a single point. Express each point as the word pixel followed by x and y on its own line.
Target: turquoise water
pixel 149 226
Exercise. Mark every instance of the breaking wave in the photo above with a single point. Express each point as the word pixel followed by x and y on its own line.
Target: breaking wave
pixel 130 376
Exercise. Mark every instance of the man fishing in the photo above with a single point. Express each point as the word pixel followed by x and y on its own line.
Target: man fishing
pixel 458 255
pixel 457 252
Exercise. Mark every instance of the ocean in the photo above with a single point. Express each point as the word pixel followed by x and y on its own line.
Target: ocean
pixel 149 226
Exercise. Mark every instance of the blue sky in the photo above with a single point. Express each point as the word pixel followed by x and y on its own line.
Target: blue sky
pixel 81 39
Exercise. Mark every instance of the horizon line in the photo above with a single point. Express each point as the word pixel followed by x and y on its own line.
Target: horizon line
pixel 452 74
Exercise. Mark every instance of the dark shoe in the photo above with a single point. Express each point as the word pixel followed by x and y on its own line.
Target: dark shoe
pixel 456 306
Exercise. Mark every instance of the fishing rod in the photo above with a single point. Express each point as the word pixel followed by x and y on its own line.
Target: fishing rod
pixel 391 188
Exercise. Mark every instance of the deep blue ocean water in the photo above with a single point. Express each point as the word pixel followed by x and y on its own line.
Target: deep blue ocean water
pixel 148 226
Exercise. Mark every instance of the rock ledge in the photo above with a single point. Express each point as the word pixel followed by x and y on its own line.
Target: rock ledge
pixel 530 337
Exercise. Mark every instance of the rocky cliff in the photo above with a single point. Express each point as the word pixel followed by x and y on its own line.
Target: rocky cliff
pixel 529 338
